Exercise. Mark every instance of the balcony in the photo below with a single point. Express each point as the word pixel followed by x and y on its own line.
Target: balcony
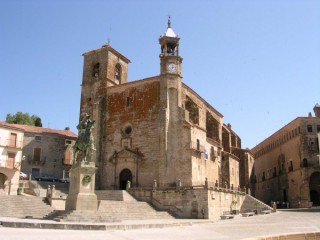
pixel 10 164
pixel 197 147
pixel 214 155
pixel 11 144
pixel 36 162
pixel 313 162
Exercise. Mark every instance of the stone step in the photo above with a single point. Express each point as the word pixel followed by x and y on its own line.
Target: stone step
pixel 111 211
pixel 114 195
pixel 23 206
pixel 250 203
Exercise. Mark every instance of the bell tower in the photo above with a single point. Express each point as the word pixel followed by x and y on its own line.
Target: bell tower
pixel 170 61
pixel 171 107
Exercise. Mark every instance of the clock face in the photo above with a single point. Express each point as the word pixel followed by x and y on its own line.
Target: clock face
pixel 172 67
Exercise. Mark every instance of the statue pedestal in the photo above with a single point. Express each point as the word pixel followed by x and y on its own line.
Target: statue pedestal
pixel 81 190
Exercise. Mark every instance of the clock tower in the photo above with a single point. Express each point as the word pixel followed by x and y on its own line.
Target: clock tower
pixel 171 107
pixel 170 61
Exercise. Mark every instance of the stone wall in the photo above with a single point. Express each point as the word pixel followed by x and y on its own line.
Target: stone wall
pixel 200 203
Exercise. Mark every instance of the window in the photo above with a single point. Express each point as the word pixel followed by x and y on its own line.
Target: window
pixel 213 154
pixel 36 154
pixel 13 140
pixel 274 172
pixel 10 160
pixel 68 142
pixel 128 101
pixel 305 162
pixel 95 71
pixel 309 128
pixel 290 166
pixel 68 156
pixel 37 138
pixel 198 144
pixel 128 130
pixel 117 73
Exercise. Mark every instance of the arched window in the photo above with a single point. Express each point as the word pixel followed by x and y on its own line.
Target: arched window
pixel 305 162
pixel 117 73
pixel 95 71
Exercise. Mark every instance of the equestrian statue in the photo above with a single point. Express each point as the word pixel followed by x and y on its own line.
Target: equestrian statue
pixel 84 143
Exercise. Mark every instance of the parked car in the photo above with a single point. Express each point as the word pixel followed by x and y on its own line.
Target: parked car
pixel 64 180
pixel 23 176
pixel 47 178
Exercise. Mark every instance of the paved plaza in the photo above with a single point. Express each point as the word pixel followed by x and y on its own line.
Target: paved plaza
pixel 282 222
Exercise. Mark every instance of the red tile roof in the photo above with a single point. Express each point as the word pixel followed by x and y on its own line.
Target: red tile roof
pixel 40 130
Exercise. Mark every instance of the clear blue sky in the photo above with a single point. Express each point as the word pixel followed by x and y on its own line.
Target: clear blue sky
pixel 256 62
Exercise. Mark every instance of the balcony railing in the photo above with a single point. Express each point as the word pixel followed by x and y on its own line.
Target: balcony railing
pixel 35 161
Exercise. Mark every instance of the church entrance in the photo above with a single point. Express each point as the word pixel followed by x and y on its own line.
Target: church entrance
pixel 124 177
pixel 315 188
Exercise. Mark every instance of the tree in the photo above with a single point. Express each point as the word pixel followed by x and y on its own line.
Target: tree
pixel 24 118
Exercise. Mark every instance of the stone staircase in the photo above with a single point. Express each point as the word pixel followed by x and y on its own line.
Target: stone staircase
pixel 115 195
pixel 250 203
pixel 20 206
pixel 113 206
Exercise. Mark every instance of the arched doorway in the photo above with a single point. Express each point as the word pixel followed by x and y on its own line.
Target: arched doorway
pixel 3 183
pixel 314 187
pixel 124 177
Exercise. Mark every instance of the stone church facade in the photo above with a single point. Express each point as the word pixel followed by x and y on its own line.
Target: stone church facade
pixel 157 130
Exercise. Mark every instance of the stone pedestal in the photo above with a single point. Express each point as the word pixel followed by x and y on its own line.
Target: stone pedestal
pixel 81 190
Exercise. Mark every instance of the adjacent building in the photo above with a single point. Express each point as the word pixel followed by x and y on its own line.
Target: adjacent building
pixel 11 143
pixel 287 164
pixel 157 130
pixel 47 151
pixel 36 151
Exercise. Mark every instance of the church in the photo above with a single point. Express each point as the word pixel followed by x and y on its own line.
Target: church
pixel 157 131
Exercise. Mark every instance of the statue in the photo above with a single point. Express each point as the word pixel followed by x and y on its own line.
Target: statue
pixel 84 142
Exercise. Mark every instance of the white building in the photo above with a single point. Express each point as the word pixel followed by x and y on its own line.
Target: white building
pixel 11 143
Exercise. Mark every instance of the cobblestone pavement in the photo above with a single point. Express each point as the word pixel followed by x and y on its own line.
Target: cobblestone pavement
pixel 282 222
